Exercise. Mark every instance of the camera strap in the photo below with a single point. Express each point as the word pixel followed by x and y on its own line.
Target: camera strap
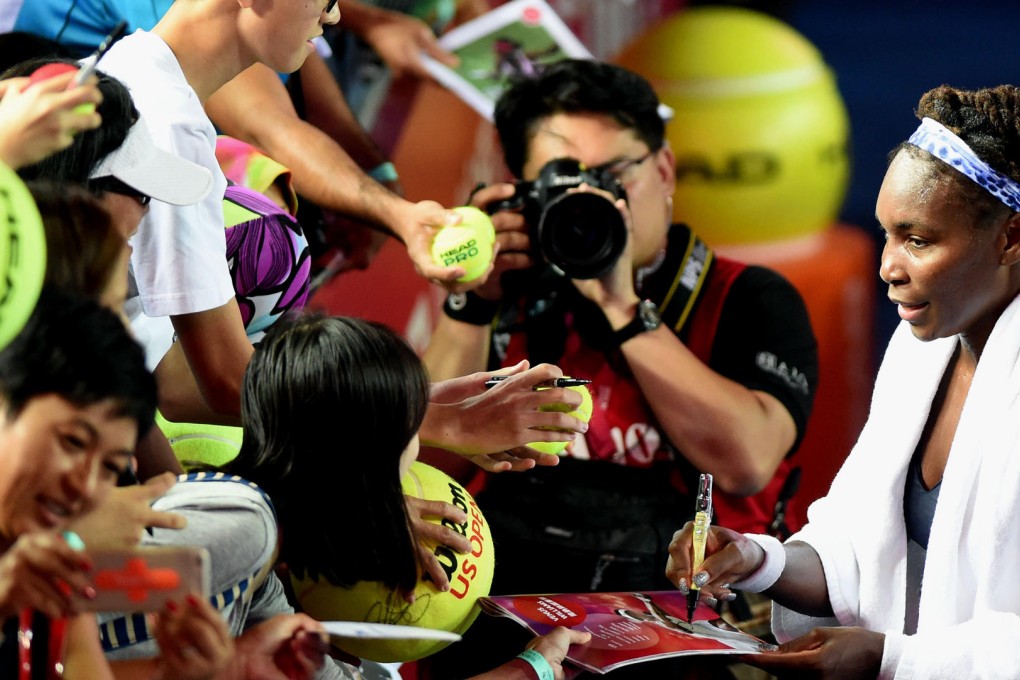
pixel 693 309
pixel 688 281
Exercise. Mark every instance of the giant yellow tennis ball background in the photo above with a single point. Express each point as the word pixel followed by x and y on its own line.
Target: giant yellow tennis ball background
pixel 467 244
pixel 22 254
pixel 582 412
pixel 455 610
pixel 760 130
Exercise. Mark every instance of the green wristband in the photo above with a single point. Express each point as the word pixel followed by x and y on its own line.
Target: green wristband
pixel 384 172
pixel 538 663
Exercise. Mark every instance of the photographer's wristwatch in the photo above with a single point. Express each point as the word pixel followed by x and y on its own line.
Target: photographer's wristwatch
pixel 646 319
pixel 470 308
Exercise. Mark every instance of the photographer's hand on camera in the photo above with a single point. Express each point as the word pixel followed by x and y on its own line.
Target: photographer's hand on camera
pixel 512 239
pixel 614 291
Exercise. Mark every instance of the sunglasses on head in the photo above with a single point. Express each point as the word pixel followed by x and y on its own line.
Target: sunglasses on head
pixel 113 185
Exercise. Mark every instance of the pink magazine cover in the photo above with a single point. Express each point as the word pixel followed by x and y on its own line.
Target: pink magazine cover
pixel 626 627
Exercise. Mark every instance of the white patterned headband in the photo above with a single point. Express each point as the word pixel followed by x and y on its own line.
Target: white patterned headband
pixel 940 142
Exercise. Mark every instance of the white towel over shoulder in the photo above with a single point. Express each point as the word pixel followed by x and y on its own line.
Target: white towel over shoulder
pixel 969 616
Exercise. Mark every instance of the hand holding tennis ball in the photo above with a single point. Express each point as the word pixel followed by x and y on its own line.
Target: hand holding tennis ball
pixel 53 70
pixel 582 412
pixel 467 244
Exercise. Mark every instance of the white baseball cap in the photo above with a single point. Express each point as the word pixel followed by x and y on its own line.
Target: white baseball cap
pixel 159 174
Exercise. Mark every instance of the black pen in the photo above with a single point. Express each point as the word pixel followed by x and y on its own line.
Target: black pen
pixel 558 382
pixel 88 64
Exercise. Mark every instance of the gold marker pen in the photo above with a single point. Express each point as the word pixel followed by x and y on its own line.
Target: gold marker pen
pixel 702 519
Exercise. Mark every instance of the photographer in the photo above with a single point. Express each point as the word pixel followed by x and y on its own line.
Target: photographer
pixel 698 363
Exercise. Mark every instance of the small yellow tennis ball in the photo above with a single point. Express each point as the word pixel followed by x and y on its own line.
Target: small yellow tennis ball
pixel 582 412
pixel 467 244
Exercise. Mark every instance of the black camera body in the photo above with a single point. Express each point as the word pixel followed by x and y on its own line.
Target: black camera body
pixel 581 234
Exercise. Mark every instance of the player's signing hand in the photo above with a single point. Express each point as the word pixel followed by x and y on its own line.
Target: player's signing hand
pixel 825 654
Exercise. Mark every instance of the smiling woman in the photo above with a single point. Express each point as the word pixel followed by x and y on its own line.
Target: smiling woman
pixel 74 397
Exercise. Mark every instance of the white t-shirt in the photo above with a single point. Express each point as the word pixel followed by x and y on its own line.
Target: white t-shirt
pixel 179 263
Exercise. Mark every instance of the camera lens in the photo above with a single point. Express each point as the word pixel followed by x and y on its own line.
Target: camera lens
pixel 582 234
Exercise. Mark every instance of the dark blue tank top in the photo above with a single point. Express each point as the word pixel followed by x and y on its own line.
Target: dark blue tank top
pixel 918 503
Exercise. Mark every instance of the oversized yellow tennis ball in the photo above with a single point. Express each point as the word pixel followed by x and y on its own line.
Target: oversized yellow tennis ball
pixel 760 131
pixel 22 254
pixel 582 412
pixel 470 578
pixel 200 444
pixel 467 244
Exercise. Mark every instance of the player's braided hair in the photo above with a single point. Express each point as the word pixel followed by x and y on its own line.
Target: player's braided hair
pixel 988 120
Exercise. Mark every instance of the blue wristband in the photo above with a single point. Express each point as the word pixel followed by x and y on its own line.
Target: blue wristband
pixel 538 663
pixel 384 172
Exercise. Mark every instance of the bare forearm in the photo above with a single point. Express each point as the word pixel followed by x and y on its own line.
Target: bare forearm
pixel 802 586
pixel 136 669
pixel 327 109
pixel 456 349
pixel 323 172
pixel 511 670
pixel 213 348
pixel 155 456
pixel 359 18
pixel 441 426
pixel 84 656
pixel 722 427
pixel 182 399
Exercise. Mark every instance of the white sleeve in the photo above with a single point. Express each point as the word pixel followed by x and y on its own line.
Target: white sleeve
pixel 830 541
pixel 986 647
pixel 179 257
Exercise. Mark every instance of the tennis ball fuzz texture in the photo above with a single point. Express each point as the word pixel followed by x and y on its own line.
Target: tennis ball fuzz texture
pixel 467 244
pixel 582 412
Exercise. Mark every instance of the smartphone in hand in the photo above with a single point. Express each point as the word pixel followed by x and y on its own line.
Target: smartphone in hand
pixel 145 578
